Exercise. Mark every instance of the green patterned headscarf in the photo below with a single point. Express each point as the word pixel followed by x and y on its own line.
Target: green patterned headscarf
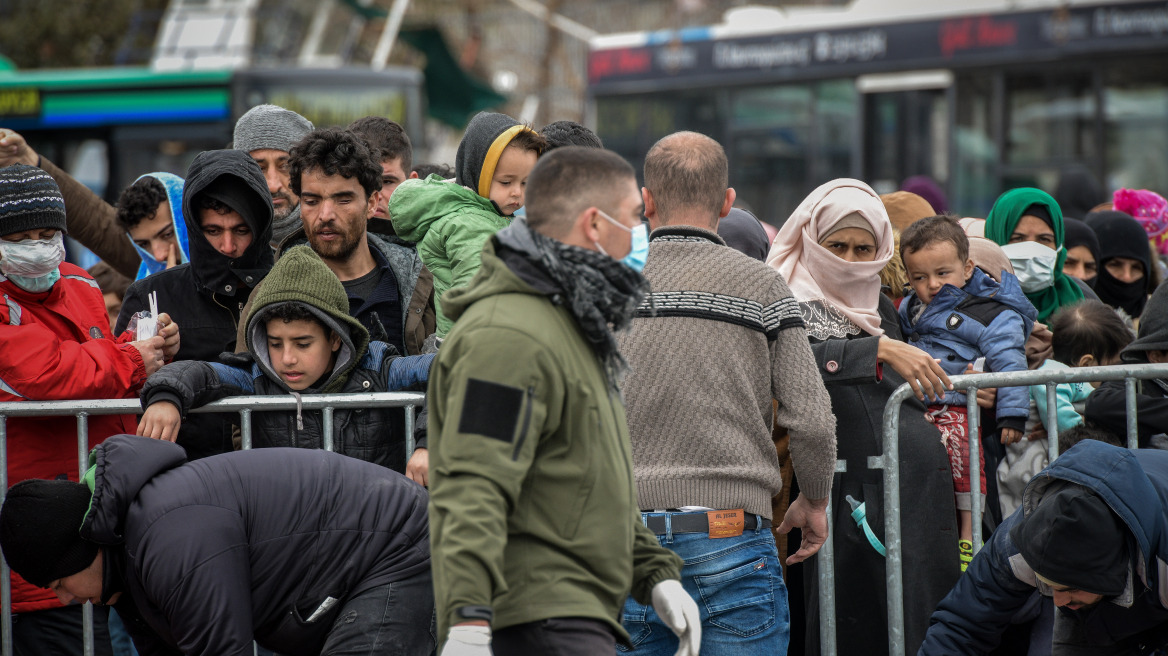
pixel 1008 210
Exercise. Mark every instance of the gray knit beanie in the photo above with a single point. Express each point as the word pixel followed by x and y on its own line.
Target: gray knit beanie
pixel 29 199
pixel 269 126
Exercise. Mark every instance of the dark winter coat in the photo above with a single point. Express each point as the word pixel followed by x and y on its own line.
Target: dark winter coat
pixel 1134 484
pixel 213 553
pixel 205 297
pixel 859 388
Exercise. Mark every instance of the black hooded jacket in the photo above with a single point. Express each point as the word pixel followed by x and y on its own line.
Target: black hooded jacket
pixel 205 296
pixel 211 554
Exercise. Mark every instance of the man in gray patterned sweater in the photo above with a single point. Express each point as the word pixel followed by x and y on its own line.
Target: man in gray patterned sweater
pixel 718 339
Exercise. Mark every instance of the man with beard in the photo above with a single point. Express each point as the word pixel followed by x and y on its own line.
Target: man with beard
pixel 266 133
pixel 338 180
pixel 1091 535
pixel 228 216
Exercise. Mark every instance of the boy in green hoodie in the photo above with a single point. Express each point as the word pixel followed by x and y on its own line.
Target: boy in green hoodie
pixel 302 341
pixel 451 222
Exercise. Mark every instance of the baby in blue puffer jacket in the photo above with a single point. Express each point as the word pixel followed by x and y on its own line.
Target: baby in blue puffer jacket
pixel 957 314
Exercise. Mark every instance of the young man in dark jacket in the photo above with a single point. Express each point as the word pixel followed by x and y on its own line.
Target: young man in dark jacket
pixel 202 558
pixel 228 214
pixel 1091 534
pixel 302 341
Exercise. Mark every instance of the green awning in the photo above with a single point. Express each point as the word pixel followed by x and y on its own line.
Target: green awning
pixel 454 96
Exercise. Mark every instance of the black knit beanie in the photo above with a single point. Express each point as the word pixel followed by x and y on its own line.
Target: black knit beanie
pixel 29 199
pixel 1074 539
pixel 40 530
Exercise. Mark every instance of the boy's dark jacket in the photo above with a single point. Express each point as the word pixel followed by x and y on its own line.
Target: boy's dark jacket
pixel 374 435
pixel 983 318
pixel 212 554
pixel 999 581
pixel 205 296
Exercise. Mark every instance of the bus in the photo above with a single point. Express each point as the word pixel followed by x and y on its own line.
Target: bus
pixel 108 126
pixel 980 96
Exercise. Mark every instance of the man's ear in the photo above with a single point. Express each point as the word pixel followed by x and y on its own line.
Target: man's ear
pixel 728 202
pixel 650 208
pixel 589 220
pixel 371 206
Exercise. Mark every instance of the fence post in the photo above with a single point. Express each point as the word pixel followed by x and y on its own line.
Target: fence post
pixel 326 428
pixel 1052 451
pixel 1133 425
pixel 409 431
pixel 245 429
pixel 973 416
pixel 893 563
pixel 82 466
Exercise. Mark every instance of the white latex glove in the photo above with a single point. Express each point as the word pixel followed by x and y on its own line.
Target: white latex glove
pixel 468 640
pixel 680 613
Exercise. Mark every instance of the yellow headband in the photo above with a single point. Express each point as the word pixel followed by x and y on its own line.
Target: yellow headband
pixel 492 158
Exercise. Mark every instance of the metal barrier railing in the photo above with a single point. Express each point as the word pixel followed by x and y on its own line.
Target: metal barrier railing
pixel 889 463
pixel 244 405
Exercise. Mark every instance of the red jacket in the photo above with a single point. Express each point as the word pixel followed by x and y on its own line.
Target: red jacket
pixel 56 345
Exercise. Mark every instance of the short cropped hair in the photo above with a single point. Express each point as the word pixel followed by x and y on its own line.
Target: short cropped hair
pixel 293 311
pixel 569 180
pixel 1076 434
pixel 934 230
pixel 1088 328
pixel 528 140
pixel 386 137
pixel 206 202
pixel 426 170
pixel 569 133
pixel 335 152
pixel 687 171
pixel 140 201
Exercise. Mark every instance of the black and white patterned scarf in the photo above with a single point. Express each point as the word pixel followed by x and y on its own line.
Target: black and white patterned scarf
pixel 600 292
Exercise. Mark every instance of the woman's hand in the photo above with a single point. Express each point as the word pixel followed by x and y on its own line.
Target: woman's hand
pixel 985 395
pixel 922 372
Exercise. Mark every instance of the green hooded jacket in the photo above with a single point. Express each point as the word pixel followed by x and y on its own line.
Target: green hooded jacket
pixel 449 223
pixel 533 507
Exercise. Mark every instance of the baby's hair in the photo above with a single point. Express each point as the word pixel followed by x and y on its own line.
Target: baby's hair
pixel 529 140
pixel 1076 434
pixel 931 230
pixel 1088 328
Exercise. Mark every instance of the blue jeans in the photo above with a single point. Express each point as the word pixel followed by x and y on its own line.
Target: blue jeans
pixel 738 585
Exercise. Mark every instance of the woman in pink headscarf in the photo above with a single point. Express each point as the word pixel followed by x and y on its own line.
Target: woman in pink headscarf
pixel 831 251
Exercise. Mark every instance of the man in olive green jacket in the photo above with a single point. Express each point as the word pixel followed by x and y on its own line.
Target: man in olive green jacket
pixel 535 531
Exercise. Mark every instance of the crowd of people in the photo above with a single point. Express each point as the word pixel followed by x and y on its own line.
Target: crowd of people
pixel 636 397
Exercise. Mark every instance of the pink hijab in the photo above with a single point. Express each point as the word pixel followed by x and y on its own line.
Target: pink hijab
pixel 813 273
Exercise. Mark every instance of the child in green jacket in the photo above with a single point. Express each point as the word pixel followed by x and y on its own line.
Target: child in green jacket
pixel 451 222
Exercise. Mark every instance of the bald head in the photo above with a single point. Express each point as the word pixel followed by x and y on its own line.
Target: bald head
pixel 687 175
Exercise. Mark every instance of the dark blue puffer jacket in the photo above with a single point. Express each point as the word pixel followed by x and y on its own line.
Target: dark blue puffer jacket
pixel 211 553
pixel 984 318
pixel 971 619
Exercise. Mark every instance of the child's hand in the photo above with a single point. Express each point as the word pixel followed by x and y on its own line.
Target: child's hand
pixel 160 421
pixel 1011 435
pixel 985 396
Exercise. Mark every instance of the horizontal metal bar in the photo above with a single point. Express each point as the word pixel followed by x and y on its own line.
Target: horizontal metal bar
pixel 1058 376
pixel 233 404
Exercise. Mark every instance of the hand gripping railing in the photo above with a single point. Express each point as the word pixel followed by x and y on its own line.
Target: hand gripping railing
pixel 244 405
pixel 889 463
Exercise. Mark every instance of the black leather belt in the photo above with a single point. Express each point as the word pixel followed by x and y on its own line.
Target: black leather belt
pixel 696 523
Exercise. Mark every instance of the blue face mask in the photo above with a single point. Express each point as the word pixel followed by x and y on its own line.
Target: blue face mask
pixel 639 252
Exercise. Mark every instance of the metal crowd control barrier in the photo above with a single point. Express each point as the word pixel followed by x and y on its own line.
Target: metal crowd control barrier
pixel 889 463
pixel 244 405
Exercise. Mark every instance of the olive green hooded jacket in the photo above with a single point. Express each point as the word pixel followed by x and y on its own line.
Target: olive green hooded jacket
pixel 533 508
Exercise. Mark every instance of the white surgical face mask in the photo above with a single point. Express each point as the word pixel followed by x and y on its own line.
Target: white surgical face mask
pixel 1033 264
pixel 33 263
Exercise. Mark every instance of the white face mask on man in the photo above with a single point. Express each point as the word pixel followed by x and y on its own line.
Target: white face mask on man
pixel 33 263
pixel 1033 264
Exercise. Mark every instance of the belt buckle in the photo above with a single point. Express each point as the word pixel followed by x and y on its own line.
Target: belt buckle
pixel 726 523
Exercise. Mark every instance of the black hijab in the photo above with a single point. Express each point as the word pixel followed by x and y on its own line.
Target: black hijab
pixel 744 233
pixel 1120 235
pixel 1077 233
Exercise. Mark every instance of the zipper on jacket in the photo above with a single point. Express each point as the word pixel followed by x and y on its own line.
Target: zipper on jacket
pixel 526 424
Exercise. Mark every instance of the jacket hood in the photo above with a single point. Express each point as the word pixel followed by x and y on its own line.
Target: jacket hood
pixel 1153 335
pixel 486 136
pixel 493 277
pixel 303 278
pixel 119 468
pixel 1131 482
pixel 416 205
pixel 232 177
pixel 174 195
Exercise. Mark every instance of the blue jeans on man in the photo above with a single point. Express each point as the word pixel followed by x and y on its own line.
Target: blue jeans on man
pixel 737 583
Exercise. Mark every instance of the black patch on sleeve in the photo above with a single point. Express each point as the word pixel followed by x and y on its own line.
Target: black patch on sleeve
pixel 982 310
pixel 491 410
